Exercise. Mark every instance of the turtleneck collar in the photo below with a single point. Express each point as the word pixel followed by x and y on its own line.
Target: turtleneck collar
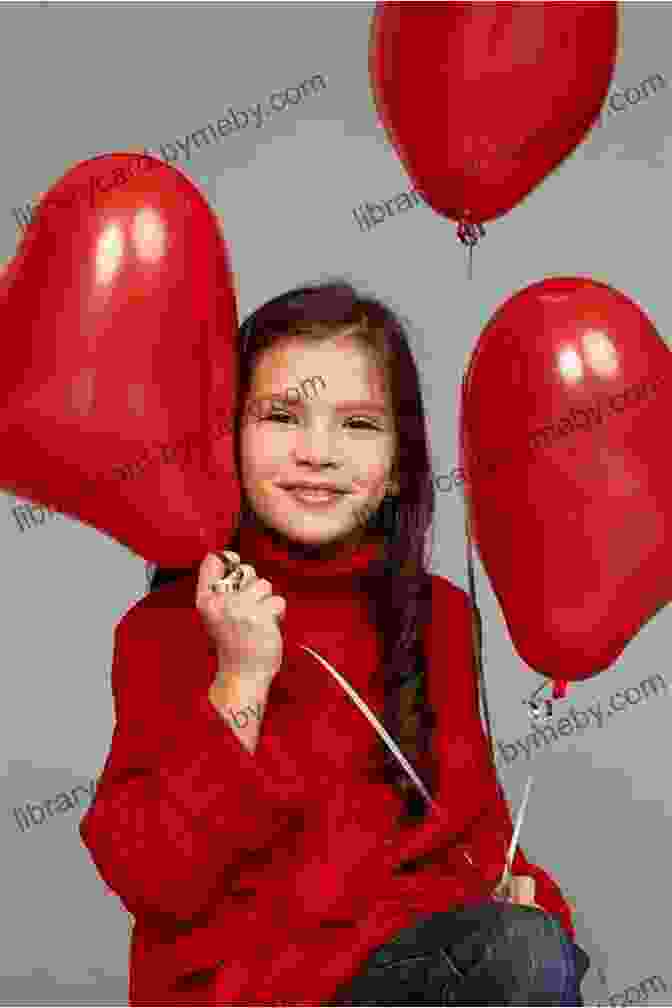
pixel 272 555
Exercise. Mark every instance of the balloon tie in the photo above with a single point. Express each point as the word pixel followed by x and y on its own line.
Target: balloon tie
pixel 469 233
pixel 560 689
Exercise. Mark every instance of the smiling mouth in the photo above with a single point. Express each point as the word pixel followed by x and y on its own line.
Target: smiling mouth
pixel 307 496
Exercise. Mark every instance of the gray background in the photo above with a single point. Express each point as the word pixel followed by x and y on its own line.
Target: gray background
pixel 77 81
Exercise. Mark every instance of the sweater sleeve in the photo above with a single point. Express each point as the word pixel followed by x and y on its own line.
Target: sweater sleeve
pixel 491 834
pixel 180 801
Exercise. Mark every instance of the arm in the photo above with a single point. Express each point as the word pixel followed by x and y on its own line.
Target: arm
pixel 241 702
pixel 180 801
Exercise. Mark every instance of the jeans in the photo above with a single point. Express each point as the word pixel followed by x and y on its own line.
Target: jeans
pixel 495 953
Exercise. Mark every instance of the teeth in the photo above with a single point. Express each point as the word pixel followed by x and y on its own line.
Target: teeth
pixel 317 495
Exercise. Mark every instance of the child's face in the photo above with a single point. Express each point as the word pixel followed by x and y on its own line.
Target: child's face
pixel 307 433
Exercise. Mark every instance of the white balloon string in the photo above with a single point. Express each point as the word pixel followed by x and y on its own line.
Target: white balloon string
pixel 508 868
pixel 370 716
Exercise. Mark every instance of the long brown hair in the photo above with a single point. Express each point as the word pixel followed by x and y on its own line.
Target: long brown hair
pixel 399 584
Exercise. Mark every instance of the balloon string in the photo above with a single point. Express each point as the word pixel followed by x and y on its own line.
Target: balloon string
pixel 372 719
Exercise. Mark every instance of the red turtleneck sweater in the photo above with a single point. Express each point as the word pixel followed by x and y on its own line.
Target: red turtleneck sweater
pixel 269 877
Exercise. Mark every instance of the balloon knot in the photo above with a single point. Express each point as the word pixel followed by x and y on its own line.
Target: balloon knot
pixel 469 233
pixel 560 689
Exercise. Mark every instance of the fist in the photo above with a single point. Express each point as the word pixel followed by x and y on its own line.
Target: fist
pixel 244 624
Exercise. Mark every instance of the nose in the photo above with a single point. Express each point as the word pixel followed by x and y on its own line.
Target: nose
pixel 316 446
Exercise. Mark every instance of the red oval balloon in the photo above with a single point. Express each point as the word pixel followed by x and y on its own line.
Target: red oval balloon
pixel 565 416
pixel 482 100
pixel 118 377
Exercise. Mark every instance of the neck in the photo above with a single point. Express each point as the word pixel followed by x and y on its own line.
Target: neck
pixel 333 549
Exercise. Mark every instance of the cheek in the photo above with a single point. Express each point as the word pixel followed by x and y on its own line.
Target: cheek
pixel 254 447
pixel 373 484
pixel 371 460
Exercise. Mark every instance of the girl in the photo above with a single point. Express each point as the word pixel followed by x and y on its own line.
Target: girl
pixel 268 844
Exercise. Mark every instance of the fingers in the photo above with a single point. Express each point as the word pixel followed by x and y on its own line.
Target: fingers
pixel 214 567
pixel 280 609
pixel 230 560
pixel 220 565
pixel 259 588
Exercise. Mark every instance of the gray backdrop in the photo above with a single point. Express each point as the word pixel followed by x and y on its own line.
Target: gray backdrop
pixel 77 81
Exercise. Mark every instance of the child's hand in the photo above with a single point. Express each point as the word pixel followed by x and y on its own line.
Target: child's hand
pixel 523 890
pixel 520 889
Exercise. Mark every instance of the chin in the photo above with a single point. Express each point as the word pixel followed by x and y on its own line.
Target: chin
pixel 319 535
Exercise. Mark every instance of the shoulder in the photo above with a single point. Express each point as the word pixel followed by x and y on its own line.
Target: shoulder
pixel 159 606
pixel 449 636
pixel 449 648
pixel 451 621
pixel 448 597
pixel 161 633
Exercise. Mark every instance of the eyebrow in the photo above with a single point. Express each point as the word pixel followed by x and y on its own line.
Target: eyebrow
pixel 364 404
pixel 355 404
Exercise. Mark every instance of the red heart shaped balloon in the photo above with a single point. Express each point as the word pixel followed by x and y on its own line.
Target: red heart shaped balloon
pixel 482 100
pixel 565 415
pixel 120 360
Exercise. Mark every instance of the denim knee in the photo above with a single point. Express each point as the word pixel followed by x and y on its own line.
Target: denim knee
pixel 531 926
pixel 510 920
pixel 529 918
pixel 538 951
pixel 487 954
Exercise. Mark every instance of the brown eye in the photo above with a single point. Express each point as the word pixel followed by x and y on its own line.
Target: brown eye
pixel 277 415
pixel 364 423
